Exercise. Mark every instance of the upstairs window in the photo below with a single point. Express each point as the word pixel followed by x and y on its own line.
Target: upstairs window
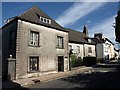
pixel 45 20
pixel 89 40
pixel 89 50
pixel 60 42
pixel 106 49
pixel 34 38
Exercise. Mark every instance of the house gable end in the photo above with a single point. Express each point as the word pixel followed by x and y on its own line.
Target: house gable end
pixel 36 15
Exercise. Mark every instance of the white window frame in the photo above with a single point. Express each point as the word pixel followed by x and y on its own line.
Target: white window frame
pixel 60 42
pixel 36 64
pixel 89 49
pixel 34 38
pixel 89 40
pixel 45 20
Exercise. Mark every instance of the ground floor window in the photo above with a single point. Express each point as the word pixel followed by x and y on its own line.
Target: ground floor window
pixel 33 63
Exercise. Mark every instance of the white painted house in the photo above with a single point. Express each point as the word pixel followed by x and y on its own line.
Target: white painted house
pixel 80 44
pixel 104 47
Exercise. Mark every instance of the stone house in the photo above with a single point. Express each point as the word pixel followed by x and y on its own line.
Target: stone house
pixel 104 47
pixel 36 42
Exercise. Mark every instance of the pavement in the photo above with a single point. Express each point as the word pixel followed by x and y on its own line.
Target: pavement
pixel 43 78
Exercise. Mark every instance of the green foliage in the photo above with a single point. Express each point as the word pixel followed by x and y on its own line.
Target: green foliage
pixel 88 61
pixel 73 57
pixel 112 58
pixel 75 62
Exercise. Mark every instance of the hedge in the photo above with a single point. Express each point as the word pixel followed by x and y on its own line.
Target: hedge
pixel 88 61
pixel 75 62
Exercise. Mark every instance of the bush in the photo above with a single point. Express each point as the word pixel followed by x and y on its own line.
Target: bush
pixel 88 61
pixel 75 62
pixel 112 58
pixel 119 58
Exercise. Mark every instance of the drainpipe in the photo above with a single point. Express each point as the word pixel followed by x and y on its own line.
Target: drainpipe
pixel 69 63
pixel 70 52
pixel 84 49
pixel 96 50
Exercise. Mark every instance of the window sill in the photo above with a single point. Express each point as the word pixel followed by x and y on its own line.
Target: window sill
pixel 35 71
pixel 60 47
pixel 34 45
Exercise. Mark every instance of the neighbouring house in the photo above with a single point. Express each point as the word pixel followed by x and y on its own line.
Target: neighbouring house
pixel 116 53
pixel 36 43
pixel 104 47
pixel 80 44
pixel 118 50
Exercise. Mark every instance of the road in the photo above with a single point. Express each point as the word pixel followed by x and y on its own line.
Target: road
pixel 101 76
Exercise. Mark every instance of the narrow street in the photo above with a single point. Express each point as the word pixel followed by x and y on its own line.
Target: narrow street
pixel 101 76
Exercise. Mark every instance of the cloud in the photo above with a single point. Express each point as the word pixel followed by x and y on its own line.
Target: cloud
pixel 88 21
pixel 106 28
pixel 77 11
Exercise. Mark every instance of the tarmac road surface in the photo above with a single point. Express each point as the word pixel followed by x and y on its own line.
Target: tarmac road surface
pixel 102 76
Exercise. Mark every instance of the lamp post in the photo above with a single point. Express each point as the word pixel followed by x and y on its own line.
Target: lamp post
pixel 70 52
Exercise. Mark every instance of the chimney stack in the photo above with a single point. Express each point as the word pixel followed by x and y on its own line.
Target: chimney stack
pixel 85 30
pixel 98 35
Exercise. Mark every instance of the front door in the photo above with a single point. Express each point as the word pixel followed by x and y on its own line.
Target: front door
pixel 60 63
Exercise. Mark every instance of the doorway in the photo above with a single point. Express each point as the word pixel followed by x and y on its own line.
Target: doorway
pixel 60 63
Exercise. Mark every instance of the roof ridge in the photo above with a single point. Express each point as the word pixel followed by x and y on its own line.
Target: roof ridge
pixel 27 10
pixel 73 30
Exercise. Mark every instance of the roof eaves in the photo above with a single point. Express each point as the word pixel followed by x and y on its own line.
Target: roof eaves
pixel 42 25
pixel 109 41
pixel 9 22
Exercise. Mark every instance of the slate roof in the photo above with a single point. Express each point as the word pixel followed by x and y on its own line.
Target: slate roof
pixel 109 41
pixel 96 40
pixel 33 15
pixel 78 37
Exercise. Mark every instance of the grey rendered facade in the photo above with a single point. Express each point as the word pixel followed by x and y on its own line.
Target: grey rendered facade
pixel 38 47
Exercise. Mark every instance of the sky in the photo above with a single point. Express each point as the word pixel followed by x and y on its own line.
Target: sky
pixel 99 17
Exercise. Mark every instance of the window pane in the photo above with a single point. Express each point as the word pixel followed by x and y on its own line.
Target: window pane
pixel 34 62
pixel 59 42
pixel 45 20
pixel 89 50
pixel 41 19
pixel 34 37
